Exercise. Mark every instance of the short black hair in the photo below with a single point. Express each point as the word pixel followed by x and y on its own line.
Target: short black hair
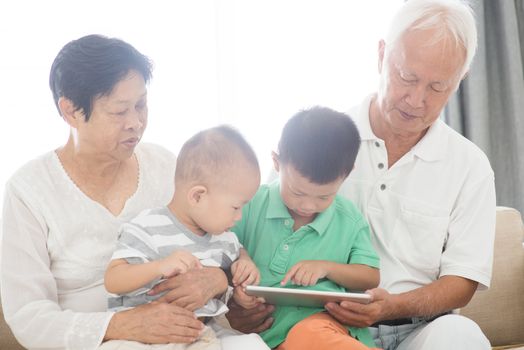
pixel 212 154
pixel 320 143
pixel 90 67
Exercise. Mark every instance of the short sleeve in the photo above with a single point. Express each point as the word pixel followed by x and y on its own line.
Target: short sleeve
pixel 362 251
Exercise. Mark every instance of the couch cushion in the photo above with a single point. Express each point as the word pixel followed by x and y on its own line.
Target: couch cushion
pixel 499 311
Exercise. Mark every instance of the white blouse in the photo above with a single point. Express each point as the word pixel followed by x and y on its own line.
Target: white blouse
pixel 56 245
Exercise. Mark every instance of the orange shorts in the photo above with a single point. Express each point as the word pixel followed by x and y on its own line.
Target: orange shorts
pixel 318 332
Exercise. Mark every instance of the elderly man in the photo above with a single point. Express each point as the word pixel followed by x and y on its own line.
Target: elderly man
pixel 427 192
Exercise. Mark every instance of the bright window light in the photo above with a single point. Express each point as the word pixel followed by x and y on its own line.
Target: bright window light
pixel 251 64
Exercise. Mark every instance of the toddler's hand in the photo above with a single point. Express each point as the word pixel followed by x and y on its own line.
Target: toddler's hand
pixel 245 272
pixel 306 273
pixel 246 301
pixel 178 262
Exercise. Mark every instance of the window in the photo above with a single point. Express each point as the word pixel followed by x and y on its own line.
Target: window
pixel 248 63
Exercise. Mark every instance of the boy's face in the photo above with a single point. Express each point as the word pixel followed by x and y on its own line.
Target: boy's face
pixel 303 198
pixel 221 206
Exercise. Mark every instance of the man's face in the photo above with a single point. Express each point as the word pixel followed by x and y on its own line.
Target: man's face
pixel 417 79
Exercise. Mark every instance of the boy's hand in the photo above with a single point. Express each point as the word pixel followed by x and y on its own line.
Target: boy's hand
pixel 306 273
pixel 246 301
pixel 244 272
pixel 178 262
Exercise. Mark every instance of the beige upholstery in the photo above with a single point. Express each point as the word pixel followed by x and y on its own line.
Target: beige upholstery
pixel 7 340
pixel 499 311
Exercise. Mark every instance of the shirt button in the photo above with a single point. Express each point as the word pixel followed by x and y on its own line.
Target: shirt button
pixel 380 165
pixel 377 144
pixel 286 222
pixel 382 187
pixel 286 247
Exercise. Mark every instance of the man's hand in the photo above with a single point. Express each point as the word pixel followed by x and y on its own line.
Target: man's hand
pixel 306 273
pixel 245 272
pixel 362 315
pixel 155 323
pixel 193 289
pixel 446 293
pixel 253 320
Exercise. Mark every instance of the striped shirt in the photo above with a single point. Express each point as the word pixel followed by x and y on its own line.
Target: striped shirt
pixel 155 234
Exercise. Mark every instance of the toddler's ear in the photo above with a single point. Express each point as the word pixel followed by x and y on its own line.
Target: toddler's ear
pixel 196 193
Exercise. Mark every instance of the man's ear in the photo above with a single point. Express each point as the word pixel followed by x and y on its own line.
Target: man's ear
pixel 276 163
pixel 70 113
pixel 381 50
pixel 196 194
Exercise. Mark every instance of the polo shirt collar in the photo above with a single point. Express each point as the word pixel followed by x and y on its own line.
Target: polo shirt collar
pixel 277 210
pixel 432 147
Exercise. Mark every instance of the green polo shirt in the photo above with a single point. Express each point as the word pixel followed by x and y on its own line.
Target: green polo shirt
pixel 338 234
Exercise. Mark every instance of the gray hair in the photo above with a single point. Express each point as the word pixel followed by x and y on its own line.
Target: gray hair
pixel 448 17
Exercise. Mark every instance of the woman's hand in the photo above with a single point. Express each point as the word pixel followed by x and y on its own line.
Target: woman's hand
pixel 155 323
pixel 253 320
pixel 193 289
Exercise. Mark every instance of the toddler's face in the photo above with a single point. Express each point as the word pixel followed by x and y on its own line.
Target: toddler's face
pixel 224 201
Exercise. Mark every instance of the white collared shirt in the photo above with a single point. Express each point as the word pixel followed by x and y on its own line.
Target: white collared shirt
pixel 432 213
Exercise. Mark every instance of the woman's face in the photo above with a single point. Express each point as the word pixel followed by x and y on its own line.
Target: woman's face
pixel 117 121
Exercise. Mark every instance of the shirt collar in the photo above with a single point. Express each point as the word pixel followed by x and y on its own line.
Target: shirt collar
pixel 277 210
pixel 432 146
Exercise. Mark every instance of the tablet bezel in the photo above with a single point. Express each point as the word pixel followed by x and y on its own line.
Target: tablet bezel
pixel 304 297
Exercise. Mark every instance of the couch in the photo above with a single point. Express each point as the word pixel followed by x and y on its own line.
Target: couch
pixel 499 311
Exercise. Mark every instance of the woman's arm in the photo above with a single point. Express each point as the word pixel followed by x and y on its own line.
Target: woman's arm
pixel 31 302
pixel 155 323
pixel 29 290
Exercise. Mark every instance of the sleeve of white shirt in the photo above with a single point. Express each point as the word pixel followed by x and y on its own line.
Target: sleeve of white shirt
pixel 29 292
pixel 468 250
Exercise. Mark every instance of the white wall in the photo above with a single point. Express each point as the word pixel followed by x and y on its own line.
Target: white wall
pixel 247 63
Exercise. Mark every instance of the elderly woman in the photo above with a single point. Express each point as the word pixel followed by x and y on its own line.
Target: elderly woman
pixel 62 212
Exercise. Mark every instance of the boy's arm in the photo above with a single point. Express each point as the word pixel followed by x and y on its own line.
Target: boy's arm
pixel 122 277
pixel 350 276
pixel 353 276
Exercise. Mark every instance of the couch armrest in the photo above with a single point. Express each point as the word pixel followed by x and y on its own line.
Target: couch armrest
pixel 499 311
pixel 7 339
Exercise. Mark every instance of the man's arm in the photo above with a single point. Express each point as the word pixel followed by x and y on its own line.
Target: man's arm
pixel 443 295
pixel 254 320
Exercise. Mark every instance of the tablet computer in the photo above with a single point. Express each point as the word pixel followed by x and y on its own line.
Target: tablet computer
pixel 303 297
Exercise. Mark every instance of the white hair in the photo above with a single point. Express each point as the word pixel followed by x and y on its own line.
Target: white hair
pixel 448 17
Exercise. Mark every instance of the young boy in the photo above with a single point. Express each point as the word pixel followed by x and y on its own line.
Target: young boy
pixel 216 174
pixel 298 231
